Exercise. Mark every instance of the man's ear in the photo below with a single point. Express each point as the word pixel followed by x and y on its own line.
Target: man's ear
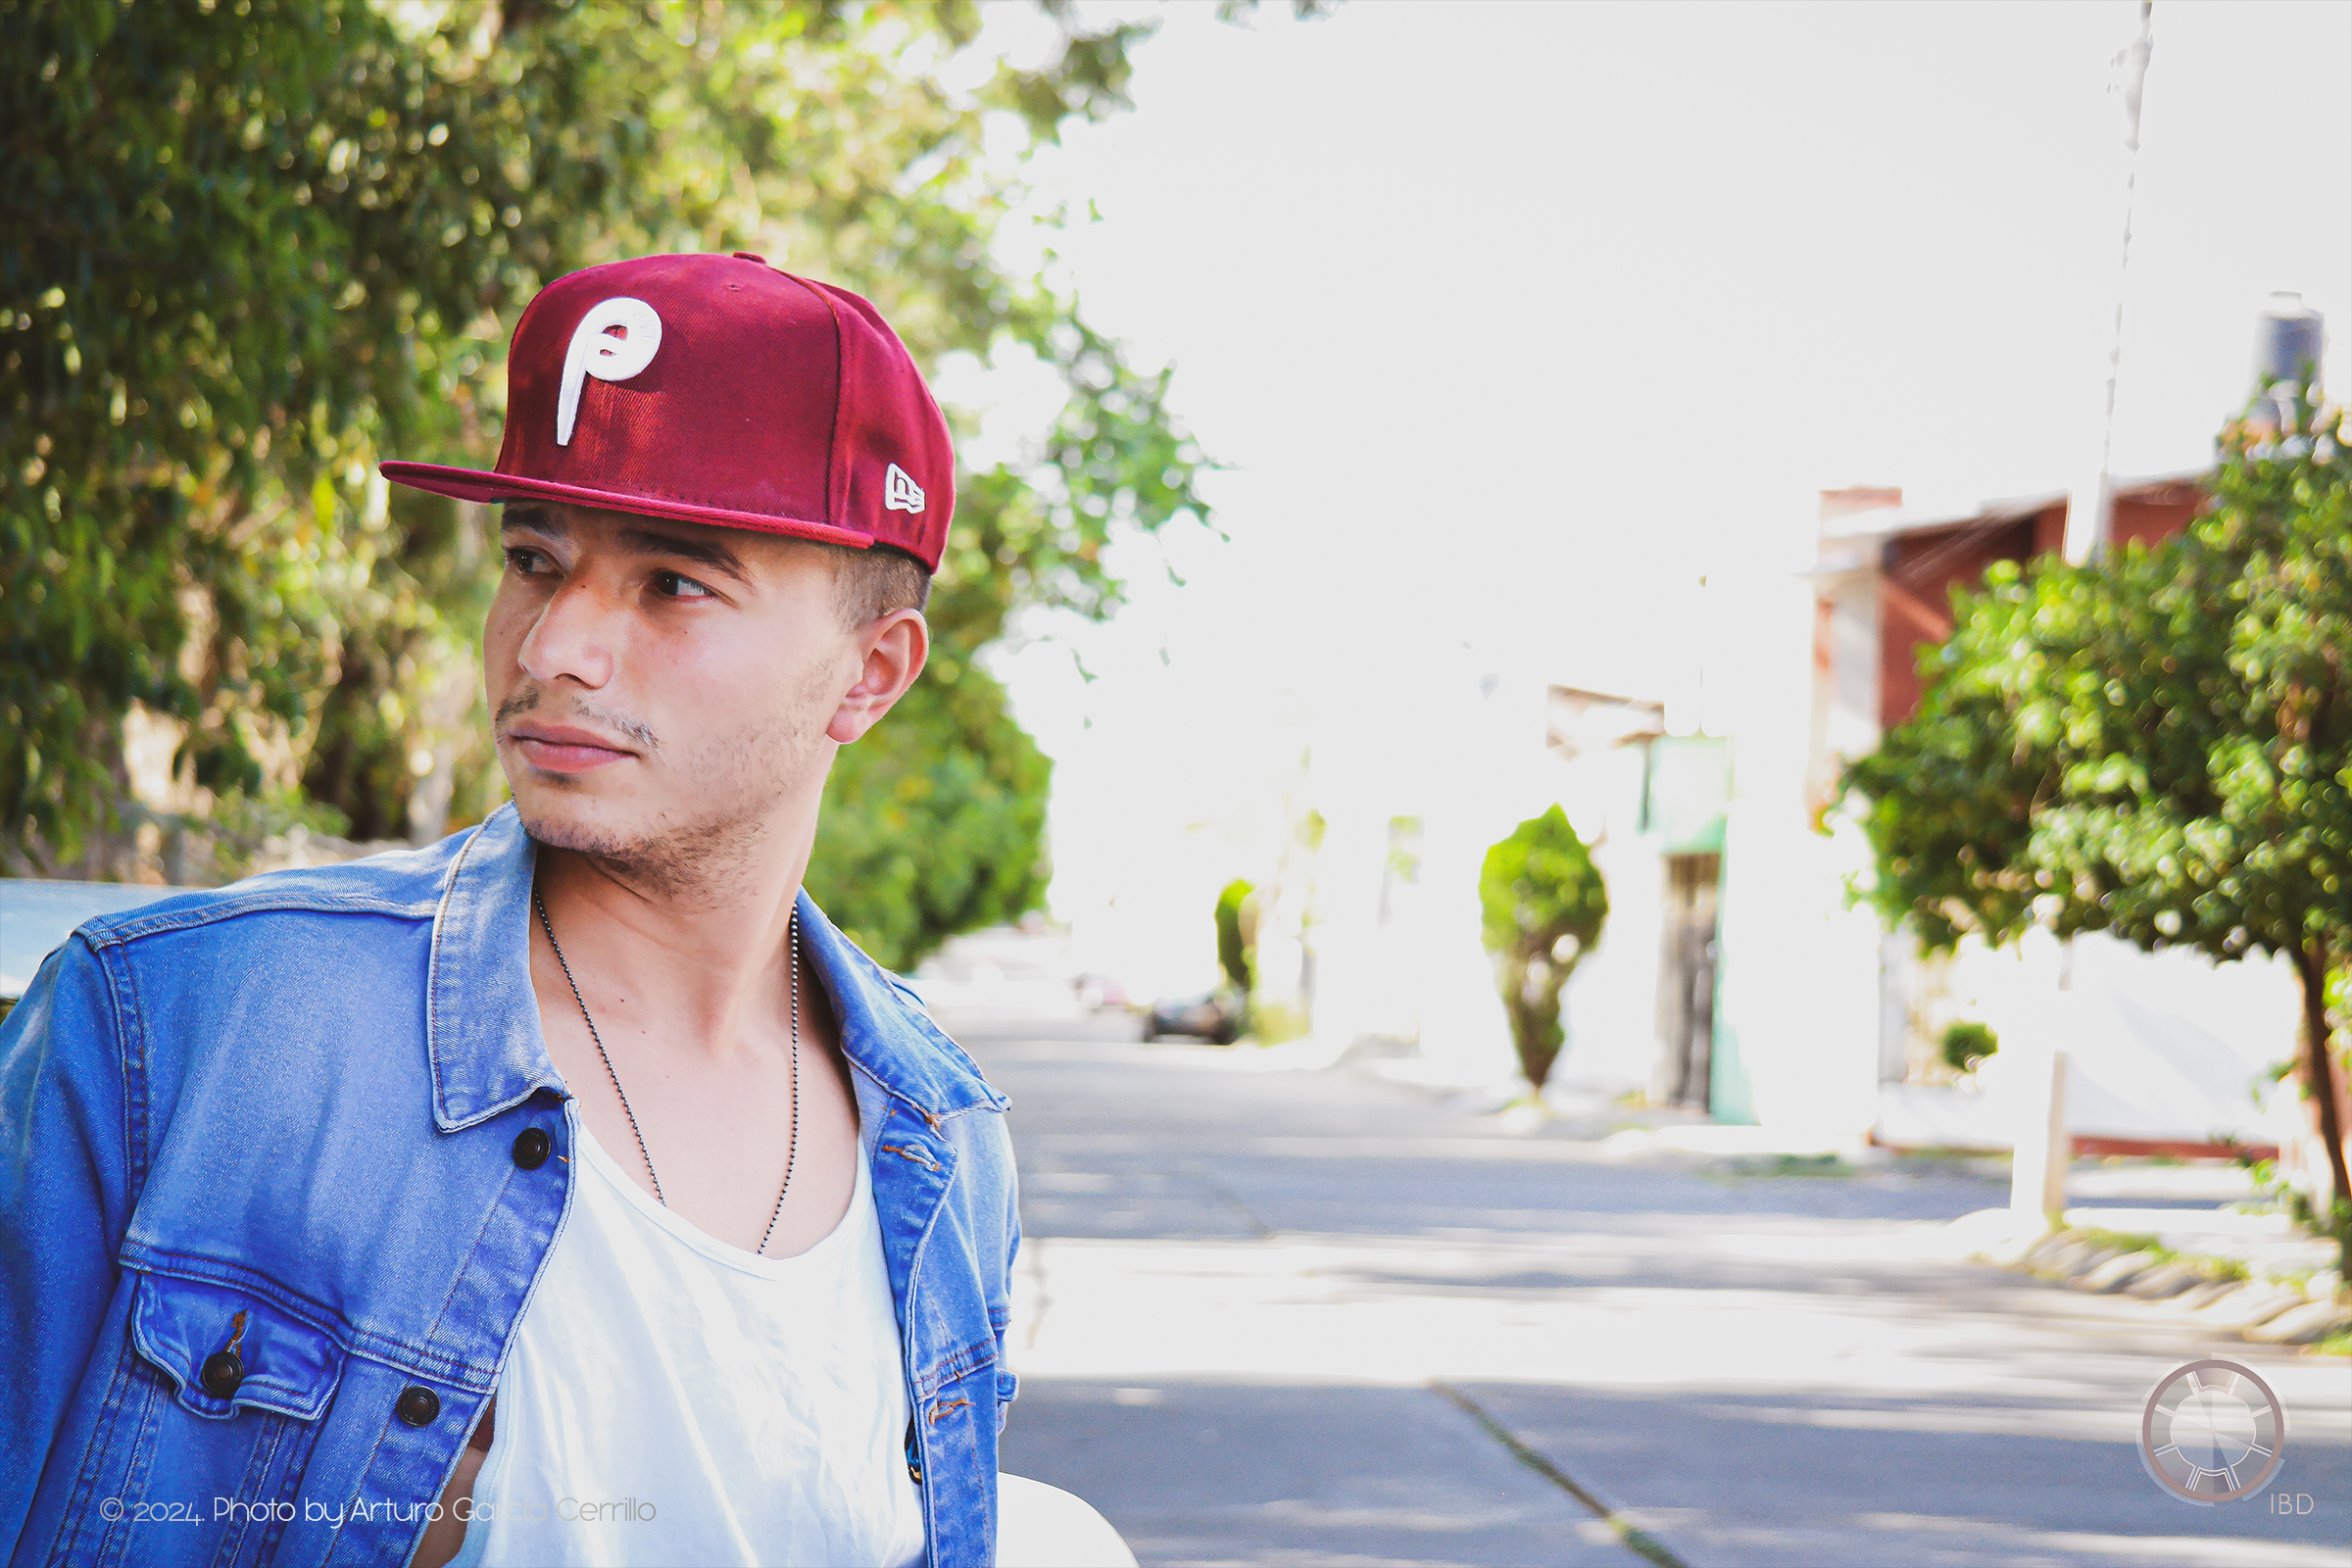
pixel 895 647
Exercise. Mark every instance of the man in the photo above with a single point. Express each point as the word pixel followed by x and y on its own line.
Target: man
pixel 571 1191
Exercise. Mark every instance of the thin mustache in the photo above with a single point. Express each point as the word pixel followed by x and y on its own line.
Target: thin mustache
pixel 528 701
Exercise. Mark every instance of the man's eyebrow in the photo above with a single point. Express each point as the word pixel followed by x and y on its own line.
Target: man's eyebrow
pixel 709 552
pixel 530 514
pixel 644 541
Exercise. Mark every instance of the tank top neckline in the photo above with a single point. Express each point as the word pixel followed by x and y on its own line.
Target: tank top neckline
pixel 686 1234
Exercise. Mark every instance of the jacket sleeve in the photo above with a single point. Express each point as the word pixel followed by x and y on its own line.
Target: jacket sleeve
pixel 63 1205
pixel 1006 1384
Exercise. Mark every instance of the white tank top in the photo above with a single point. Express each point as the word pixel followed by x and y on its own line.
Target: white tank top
pixel 672 1399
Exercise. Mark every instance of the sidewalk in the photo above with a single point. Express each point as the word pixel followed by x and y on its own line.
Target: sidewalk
pixel 1296 1317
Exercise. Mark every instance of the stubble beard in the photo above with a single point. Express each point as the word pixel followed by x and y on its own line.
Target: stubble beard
pixel 701 850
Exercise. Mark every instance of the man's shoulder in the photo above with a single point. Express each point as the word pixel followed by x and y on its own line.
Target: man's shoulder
pixel 400 884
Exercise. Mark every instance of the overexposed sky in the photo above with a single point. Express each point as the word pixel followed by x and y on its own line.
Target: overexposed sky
pixel 1514 319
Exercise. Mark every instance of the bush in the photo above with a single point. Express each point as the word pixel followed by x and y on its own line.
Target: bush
pixel 1544 904
pixel 1967 1044
pixel 1234 934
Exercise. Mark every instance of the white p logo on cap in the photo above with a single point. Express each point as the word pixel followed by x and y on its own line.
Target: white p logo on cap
pixel 597 350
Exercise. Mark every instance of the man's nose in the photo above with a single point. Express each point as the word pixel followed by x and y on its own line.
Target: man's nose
pixel 577 636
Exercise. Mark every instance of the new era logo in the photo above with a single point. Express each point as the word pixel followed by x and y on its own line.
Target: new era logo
pixel 900 492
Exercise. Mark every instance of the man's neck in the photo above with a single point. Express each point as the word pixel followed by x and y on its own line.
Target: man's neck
pixel 708 955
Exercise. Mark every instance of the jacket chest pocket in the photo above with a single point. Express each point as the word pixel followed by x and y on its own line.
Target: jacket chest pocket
pixel 231 1389
pixel 226 1349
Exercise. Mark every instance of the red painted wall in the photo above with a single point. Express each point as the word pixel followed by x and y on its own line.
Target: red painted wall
pixel 1919 572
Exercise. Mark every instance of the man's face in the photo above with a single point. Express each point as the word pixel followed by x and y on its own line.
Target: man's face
pixel 660 688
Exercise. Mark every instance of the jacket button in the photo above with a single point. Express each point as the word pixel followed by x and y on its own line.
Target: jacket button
pixel 224 1371
pixel 533 1147
pixel 418 1405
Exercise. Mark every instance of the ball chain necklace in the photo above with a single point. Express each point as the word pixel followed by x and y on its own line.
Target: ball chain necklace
pixel 792 1149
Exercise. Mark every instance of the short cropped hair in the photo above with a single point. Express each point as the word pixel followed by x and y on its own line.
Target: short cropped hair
pixel 872 582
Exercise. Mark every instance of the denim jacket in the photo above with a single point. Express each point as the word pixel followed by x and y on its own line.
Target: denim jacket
pixel 280 1165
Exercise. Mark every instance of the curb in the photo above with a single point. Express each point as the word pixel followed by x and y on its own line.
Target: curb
pixel 2201 1291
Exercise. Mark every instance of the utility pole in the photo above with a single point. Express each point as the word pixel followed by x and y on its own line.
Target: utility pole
pixel 2090 506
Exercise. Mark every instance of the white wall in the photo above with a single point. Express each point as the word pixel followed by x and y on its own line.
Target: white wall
pixel 1610 1007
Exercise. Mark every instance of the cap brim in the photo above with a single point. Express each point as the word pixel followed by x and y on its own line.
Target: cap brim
pixel 475 484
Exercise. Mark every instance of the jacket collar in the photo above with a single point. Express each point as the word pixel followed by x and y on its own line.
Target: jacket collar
pixel 481 1019
pixel 481 1026
pixel 884 1031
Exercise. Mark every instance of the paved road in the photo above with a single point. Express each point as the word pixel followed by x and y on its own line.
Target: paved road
pixel 1287 1317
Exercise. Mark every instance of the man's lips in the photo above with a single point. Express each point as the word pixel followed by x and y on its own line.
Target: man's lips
pixel 560 750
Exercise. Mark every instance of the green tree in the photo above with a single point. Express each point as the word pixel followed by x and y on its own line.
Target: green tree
pixel 1236 926
pixel 246 249
pixel 1544 905
pixel 2158 745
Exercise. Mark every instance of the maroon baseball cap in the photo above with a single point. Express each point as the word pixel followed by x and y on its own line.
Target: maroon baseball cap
pixel 718 389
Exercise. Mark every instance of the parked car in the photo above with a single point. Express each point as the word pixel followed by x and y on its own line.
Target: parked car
pixel 1099 993
pixel 1213 1015
pixel 37 916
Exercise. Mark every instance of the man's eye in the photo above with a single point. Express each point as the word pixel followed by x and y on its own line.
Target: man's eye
pixel 524 561
pixel 671 585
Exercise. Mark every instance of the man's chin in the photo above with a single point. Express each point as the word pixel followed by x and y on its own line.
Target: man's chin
pixel 671 858
pixel 582 838
pixel 568 822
